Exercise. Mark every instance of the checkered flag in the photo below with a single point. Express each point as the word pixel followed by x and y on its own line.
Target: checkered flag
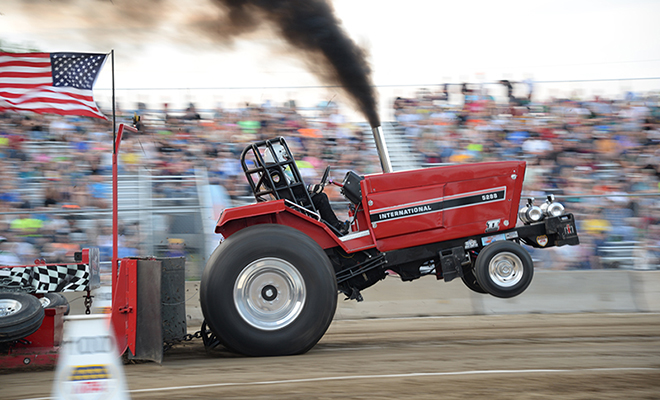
pixel 60 278
pixel 19 278
pixel 48 278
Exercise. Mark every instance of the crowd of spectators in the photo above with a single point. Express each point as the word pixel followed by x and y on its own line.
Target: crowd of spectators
pixel 593 155
pixel 600 157
pixel 55 167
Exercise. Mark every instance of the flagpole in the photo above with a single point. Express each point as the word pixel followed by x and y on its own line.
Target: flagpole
pixel 114 120
pixel 115 216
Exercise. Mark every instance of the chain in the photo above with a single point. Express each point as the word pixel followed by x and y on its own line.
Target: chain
pixel 88 302
pixel 186 338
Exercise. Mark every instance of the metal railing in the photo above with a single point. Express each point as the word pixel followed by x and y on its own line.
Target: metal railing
pixel 620 254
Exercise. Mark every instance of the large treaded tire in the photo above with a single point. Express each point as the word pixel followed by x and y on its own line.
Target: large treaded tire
pixel 268 290
pixel 52 300
pixel 21 315
pixel 504 269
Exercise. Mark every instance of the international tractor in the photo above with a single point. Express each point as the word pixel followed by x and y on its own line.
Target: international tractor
pixel 271 285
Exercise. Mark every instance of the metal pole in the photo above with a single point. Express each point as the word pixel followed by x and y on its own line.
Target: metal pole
pixel 115 206
pixel 381 146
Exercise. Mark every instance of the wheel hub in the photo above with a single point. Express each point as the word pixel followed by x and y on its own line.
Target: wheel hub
pixel 269 293
pixel 505 269
pixel 9 307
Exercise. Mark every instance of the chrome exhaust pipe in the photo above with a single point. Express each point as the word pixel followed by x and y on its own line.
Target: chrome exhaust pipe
pixel 381 147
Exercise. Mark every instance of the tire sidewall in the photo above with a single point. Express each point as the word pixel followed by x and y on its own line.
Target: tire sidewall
pixel 25 321
pixel 56 300
pixel 483 276
pixel 246 246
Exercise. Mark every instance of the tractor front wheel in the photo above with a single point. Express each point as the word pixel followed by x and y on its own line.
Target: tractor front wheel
pixel 504 269
pixel 268 290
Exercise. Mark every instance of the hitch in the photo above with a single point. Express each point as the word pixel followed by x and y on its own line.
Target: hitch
pixel 452 261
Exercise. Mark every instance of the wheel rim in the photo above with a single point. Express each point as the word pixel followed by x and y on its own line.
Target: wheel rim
pixel 505 269
pixel 269 293
pixel 9 307
pixel 45 302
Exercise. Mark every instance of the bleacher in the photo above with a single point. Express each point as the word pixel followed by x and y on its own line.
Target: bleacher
pixel 400 149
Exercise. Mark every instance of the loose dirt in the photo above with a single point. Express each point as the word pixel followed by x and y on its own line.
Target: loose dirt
pixel 569 356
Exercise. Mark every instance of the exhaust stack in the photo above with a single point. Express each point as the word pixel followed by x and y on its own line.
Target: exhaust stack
pixel 383 154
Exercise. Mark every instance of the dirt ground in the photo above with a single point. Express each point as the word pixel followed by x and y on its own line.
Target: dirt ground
pixel 568 356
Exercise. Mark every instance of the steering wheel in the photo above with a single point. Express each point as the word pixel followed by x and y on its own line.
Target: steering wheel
pixel 324 178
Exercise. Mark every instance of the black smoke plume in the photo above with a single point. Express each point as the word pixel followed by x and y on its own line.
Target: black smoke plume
pixel 311 27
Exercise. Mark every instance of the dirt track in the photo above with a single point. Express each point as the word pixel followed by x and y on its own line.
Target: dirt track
pixel 575 356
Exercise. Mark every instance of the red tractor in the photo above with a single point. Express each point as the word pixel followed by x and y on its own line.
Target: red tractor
pixel 270 287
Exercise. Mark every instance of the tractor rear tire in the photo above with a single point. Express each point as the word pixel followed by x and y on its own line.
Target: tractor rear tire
pixel 21 315
pixel 268 290
pixel 504 269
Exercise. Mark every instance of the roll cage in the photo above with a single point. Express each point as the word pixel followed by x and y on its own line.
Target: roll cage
pixel 277 178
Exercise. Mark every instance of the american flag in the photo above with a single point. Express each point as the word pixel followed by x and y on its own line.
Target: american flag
pixel 58 83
